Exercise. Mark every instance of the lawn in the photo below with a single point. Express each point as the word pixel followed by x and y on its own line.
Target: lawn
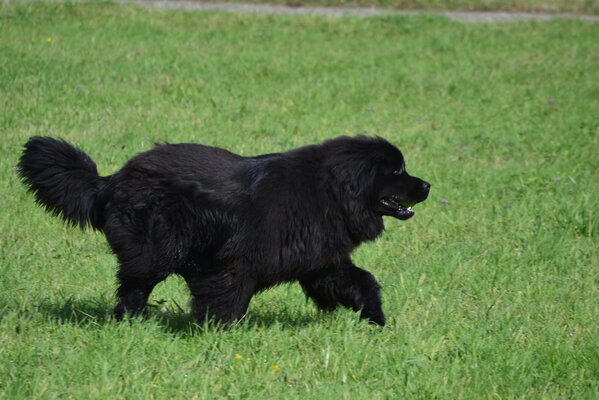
pixel 491 290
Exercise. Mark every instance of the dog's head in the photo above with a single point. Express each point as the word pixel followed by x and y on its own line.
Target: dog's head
pixel 373 177
pixel 394 190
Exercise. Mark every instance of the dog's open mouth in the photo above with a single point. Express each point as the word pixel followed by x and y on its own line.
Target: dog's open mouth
pixel 398 208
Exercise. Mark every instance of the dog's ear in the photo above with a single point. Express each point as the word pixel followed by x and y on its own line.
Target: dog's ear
pixel 355 178
pixel 352 183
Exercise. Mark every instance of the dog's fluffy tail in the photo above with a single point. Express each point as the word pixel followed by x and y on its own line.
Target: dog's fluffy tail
pixel 63 179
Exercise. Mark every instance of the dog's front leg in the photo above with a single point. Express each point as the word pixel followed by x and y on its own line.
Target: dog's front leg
pixel 349 286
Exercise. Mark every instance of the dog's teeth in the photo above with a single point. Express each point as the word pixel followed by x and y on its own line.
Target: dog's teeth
pixel 409 208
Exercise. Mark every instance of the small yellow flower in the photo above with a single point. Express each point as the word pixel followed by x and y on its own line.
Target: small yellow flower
pixel 238 357
pixel 277 367
pixel 49 39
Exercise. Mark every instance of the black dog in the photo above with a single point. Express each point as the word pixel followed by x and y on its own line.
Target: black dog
pixel 232 225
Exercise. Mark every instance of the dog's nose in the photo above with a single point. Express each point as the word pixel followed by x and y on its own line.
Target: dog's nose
pixel 426 186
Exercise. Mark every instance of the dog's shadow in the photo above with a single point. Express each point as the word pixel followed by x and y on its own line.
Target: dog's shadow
pixel 99 312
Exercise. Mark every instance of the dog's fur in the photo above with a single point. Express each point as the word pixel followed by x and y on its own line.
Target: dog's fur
pixel 233 225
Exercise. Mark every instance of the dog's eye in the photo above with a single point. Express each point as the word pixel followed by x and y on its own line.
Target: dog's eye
pixel 398 171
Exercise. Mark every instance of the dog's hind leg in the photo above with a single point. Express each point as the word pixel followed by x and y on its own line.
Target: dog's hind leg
pixel 219 297
pixel 133 296
pixel 349 286
pixel 140 270
pixel 145 259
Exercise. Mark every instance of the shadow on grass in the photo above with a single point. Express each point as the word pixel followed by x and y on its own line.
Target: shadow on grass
pixel 99 312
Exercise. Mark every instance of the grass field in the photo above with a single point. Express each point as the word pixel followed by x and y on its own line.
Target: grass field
pixel 491 290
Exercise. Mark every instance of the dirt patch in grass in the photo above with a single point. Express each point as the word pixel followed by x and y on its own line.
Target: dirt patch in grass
pixel 512 6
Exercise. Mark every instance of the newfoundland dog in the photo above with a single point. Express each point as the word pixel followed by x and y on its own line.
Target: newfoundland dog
pixel 232 226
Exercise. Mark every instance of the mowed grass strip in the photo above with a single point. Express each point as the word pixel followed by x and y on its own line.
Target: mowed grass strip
pixel 490 290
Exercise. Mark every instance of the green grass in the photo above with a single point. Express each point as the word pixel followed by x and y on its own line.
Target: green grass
pixel 491 290
pixel 550 6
